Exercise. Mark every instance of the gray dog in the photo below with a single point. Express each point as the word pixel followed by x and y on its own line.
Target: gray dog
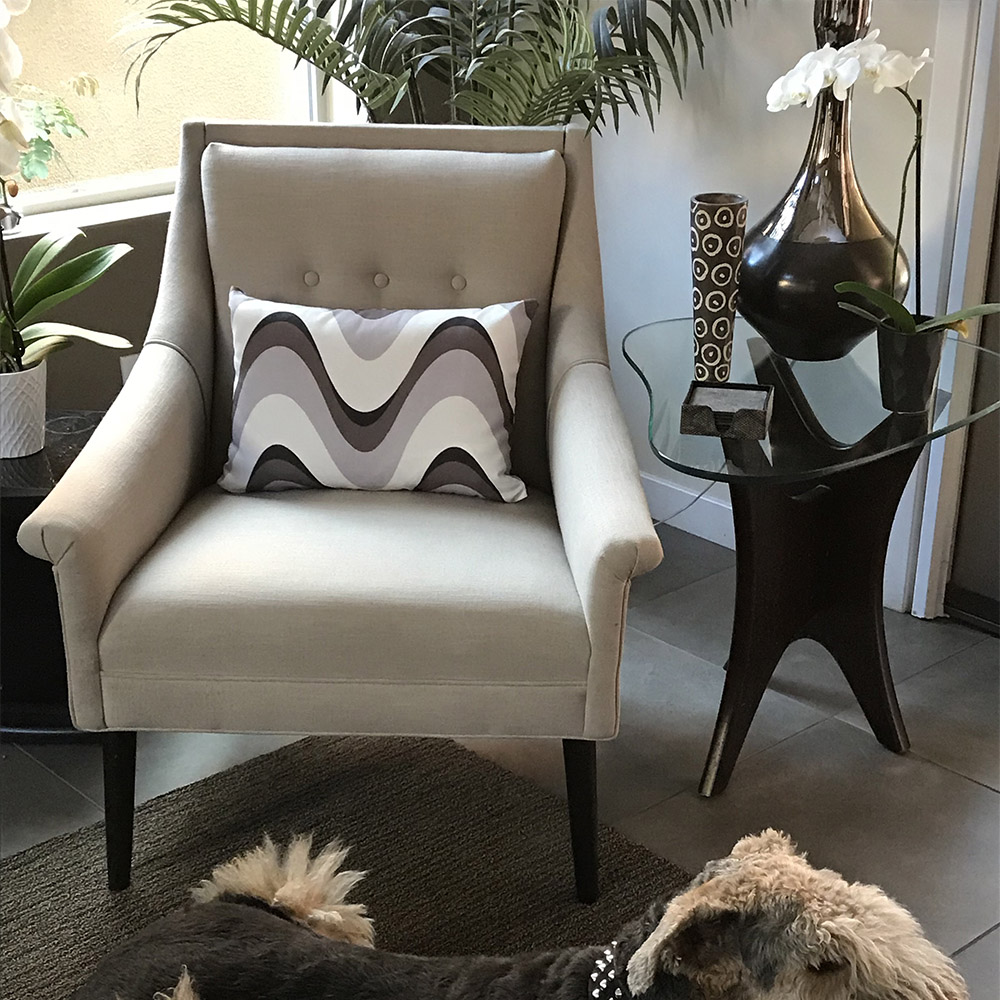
pixel 760 924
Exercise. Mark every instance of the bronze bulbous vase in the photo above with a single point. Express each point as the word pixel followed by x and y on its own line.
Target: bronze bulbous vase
pixel 821 232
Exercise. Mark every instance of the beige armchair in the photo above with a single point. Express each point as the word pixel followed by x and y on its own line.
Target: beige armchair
pixel 328 611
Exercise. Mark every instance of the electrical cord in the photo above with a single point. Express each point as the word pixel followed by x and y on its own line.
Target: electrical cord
pixel 688 505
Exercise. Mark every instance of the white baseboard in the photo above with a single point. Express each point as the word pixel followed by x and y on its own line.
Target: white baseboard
pixel 708 517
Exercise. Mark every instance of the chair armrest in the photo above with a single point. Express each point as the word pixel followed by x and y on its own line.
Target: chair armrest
pixel 604 519
pixel 141 464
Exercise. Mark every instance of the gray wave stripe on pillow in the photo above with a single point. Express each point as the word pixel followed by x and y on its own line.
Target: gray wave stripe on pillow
pixel 366 335
pixel 452 471
pixel 370 339
pixel 458 476
pixel 365 428
pixel 363 459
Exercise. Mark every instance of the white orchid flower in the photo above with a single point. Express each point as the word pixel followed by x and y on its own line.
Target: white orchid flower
pixel 870 57
pixel 846 74
pixel 800 85
pixel 11 8
pixel 11 62
pixel 14 136
pixel 841 69
pixel 859 44
pixel 896 69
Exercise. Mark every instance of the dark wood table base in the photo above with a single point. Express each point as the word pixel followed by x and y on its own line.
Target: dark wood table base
pixel 810 565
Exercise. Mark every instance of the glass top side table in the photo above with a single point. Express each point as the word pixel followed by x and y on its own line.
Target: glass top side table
pixel 35 695
pixel 813 505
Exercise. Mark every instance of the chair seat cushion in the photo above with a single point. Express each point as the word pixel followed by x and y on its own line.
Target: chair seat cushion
pixel 340 611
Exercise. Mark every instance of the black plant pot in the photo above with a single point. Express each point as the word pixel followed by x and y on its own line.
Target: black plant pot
pixel 822 231
pixel 907 368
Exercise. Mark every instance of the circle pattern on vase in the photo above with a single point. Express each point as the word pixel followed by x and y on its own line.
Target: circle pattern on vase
pixel 718 224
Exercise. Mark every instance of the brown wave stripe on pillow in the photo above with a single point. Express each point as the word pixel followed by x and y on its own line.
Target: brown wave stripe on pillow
pixel 374 400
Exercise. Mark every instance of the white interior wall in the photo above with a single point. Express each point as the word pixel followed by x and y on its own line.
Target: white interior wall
pixel 721 137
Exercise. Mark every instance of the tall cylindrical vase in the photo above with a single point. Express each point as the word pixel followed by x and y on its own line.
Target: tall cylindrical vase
pixel 822 231
pixel 718 225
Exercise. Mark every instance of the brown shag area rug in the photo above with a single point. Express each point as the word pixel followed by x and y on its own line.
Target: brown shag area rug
pixel 462 857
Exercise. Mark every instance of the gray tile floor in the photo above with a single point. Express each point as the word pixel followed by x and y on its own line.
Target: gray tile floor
pixel 926 825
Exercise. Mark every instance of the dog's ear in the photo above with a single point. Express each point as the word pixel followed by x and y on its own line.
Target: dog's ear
pixel 875 950
pixel 690 939
pixel 631 937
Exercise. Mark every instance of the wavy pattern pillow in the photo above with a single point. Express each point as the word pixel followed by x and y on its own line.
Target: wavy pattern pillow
pixel 374 400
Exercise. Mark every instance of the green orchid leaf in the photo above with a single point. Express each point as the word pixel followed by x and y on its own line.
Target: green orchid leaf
pixel 41 254
pixel 65 281
pixel 42 331
pixel 858 311
pixel 40 349
pixel 943 322
pixel 894 310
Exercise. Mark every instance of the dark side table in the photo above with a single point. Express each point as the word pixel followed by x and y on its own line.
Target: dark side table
pixel 813 505
pixel 33 692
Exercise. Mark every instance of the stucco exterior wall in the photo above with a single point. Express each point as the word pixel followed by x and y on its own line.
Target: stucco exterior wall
pixel 222 70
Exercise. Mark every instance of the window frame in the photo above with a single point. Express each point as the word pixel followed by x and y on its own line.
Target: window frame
pixel 111 189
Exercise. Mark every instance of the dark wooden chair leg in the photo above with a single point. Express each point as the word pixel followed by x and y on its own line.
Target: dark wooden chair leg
pixel 580 758
pixel 119 806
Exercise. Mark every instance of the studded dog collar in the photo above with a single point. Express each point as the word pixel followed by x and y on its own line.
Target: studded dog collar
pixel 604 985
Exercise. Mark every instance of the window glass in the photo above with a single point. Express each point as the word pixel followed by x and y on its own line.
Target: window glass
pixel 212 71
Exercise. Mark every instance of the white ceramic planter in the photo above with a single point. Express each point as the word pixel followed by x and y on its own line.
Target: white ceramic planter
pixel 22 412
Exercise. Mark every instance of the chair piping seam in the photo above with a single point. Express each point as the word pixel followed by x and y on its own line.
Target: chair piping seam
pixel 117 675
pixel 194 371
pixel 576 364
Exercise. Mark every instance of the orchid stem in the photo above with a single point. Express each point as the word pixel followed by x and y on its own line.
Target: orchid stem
pixel 918 125
pixel 917 206
pixel 8 296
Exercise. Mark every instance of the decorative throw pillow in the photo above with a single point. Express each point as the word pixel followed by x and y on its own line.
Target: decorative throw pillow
pixel 374 400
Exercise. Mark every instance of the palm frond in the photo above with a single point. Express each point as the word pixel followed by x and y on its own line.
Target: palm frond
pixel 503 61
pixel 543 72
pixel 294 26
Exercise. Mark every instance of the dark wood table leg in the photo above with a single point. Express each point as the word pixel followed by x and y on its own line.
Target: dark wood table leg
pixel 810 562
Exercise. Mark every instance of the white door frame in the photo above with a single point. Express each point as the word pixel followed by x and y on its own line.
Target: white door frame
pixel 966 285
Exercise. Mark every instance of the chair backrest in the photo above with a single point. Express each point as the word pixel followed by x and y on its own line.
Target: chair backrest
pixel 395 217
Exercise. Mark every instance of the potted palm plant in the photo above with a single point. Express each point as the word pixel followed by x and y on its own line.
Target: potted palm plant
pixel 26 341
pixel 497 62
